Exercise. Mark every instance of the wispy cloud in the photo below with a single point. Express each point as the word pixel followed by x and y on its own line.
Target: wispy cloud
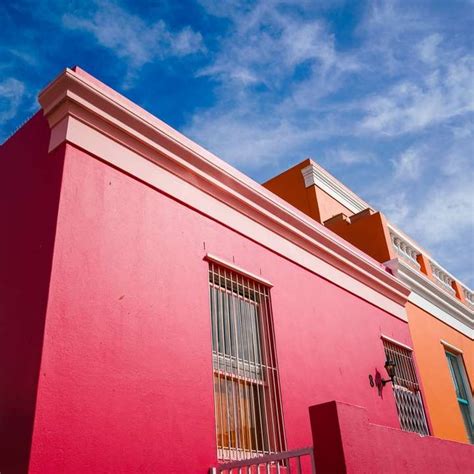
pixel 409 165
pixel 12 92
pixel 132 38
pixel 271 71
pixel 408 107
pixel 349 156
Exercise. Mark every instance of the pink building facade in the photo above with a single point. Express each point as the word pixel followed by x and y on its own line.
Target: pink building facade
pixel 111 222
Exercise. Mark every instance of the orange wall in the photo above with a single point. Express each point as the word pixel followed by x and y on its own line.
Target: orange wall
pixel 313 201
pixel 290 186
pixel 440 398
pixel 367 232
pixel 328 206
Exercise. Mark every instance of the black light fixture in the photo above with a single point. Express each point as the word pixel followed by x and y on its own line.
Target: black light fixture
pixel 390 368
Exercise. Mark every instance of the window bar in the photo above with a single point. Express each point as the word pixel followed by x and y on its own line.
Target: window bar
pixel 228 369
pixel 265 354
pixel 242 397
pixel 275 384
pixel 257 407
pixel 225 372
pixel 273 387
pixel 216 362
pixel 246 313
pixel 240 426
pixel 253 407
pixel 240 401
pixel 220 381
pixel 263 411
pixel 252 313
pixel 268 365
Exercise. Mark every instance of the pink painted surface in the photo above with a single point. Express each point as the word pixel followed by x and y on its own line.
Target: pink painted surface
pixel 345 441
pixel 29 196
pixel 126 376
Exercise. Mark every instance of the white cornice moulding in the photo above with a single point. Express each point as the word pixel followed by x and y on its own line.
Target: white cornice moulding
pixel 97 119
pixel 314 175
pixel 433 299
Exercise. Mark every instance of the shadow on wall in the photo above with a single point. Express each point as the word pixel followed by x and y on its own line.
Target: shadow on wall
pixel 29 199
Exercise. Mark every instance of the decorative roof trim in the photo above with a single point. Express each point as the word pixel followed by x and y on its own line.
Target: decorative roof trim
pixel 421 250
pixel 433 299
pixel 314 175
pixel 76 102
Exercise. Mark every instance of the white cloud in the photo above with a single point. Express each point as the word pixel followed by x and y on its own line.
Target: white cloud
pixel 408 107
pixel 131 37
pixel 410 163
pixel 243 141
pixel 447 214
pixel 263 105
pixel 12 92
pixel 348 156
pixel 428 48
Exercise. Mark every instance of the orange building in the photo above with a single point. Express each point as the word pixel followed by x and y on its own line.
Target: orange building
pixel 439 310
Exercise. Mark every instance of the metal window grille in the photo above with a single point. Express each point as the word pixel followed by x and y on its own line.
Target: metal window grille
pixel 456 368
pixel 406 389
pixel 249 420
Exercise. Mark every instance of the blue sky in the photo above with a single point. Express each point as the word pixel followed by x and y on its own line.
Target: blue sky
pixel 381 93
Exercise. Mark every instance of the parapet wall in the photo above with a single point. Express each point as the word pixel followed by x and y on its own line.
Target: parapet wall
pixel 345 442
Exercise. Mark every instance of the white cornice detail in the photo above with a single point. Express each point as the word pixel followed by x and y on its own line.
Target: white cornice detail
pixel 78 107
pixel 314 175
pixel 433 299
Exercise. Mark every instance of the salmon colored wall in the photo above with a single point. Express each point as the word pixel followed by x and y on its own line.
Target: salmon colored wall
pixel 427 332
pixel 290 186
pixel 328 206
pixel 368 232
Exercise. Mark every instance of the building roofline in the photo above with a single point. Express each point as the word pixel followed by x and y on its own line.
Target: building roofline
pixel 76 103
pixel 316 175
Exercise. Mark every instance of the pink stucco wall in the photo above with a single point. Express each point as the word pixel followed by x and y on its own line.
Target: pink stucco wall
pixel 345 441
pixel 30 182
pixel 126 379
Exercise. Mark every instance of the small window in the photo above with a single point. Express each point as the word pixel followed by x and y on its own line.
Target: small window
pixel 406 389
pixel 248 413
pixel 461 386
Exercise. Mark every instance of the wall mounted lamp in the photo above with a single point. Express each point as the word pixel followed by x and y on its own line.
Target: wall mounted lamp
pixel 390 368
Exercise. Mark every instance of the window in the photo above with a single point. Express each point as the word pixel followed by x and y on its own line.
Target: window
pixel 249 420
pixel 406 389
pixel 461 385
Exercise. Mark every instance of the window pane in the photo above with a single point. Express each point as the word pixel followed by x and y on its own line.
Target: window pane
pixel 454 362
pixel 457 377
pixel 466 414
